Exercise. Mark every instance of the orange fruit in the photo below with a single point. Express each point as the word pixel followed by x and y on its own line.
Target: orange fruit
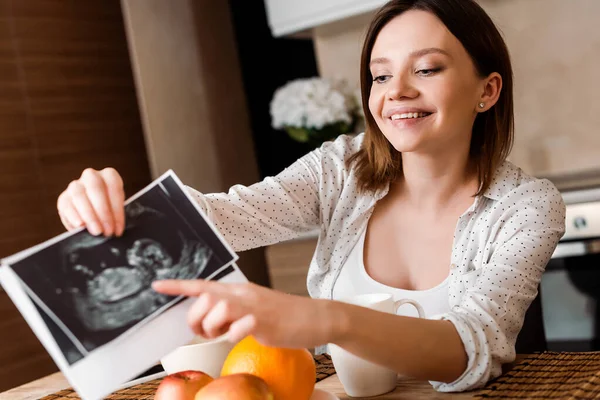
pixel 290 373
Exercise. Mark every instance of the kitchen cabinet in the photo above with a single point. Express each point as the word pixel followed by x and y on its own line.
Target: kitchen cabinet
pixel 292 16
pixel 67 102
pixel 288 265
pixel 189 85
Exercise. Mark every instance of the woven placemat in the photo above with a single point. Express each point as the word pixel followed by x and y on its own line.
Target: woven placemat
pixel 145 391
pixel 549 375
pixel 324 366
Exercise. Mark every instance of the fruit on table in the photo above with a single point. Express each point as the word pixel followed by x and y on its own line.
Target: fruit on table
pixel 290 373
pixel 182 385
pixel 236 387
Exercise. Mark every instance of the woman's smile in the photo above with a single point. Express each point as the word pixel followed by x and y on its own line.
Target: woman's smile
pixel 410 120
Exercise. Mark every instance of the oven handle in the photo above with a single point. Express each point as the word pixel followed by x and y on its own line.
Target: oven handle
pixel 573 249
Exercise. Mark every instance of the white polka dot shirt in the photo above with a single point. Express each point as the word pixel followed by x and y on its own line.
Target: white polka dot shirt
pixel 502 243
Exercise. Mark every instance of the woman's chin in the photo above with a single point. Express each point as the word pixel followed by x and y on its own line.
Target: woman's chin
pixel 404 146
pixel 405 142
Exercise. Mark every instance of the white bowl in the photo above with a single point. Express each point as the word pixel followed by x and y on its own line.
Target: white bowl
pixel 203 355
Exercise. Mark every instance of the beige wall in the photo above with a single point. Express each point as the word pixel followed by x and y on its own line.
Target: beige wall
pixel 338 46
pixel 555 47
pixel 190 91
pixel 191 98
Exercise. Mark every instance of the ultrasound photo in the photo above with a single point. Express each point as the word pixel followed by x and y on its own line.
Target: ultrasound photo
pixel 95 288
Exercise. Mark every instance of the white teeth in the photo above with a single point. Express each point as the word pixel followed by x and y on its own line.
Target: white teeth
pixel 408 115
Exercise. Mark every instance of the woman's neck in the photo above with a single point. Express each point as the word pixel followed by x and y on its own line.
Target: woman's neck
pixel 436 182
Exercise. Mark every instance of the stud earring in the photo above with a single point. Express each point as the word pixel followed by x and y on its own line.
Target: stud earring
pixel 481 105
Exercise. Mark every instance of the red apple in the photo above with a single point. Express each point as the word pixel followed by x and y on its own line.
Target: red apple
pixel 182 385
pixel 240 386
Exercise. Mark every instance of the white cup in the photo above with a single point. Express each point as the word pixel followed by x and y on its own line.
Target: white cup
pixel 206 355
pixel 359 377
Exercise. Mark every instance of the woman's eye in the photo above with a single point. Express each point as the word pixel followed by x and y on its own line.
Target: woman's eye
pixel 381 78
pixel 428 71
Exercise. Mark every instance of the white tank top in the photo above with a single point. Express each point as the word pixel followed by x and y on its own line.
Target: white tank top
pixel 354 280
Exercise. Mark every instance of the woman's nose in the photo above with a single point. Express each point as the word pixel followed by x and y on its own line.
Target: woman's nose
pixel 401 87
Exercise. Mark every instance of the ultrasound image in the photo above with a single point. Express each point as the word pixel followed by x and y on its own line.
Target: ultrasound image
pixel 109 279
pixel 96 288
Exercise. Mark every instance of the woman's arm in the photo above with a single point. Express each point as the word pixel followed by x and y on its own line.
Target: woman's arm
pixel 420 348
pixel 275 209
pixel 284 206
pixel 491 301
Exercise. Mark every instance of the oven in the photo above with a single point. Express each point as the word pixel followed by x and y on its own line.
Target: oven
pixel 570 287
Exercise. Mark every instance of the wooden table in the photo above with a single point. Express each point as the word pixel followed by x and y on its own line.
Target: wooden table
pixel 408 389
pixel 38 388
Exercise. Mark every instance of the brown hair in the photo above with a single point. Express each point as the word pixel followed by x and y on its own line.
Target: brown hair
pixel 377 163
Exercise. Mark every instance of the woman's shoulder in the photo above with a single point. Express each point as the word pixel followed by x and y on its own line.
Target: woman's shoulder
pixel 329 160
pixel 337 171
pixel 343 147
pixel 517 192
pixel 510 181
pixel 332 156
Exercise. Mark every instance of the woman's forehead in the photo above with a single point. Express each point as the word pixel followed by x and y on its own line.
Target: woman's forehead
pixel 412 31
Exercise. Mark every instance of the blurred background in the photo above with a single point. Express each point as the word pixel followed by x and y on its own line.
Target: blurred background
pixel 150 85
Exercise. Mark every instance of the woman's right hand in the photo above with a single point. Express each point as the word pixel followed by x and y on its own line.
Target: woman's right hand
pixel 96 200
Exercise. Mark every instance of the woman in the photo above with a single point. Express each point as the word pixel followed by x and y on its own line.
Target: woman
pixel 425 193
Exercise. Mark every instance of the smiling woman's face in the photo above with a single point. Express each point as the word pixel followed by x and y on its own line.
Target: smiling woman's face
pixel 425 88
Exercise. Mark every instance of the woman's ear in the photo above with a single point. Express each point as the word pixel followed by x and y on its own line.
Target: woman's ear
pixel 491 88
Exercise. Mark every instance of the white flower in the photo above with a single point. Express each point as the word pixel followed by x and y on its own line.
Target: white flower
pixel 312 103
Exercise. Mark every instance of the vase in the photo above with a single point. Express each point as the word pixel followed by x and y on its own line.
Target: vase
pixel 314 137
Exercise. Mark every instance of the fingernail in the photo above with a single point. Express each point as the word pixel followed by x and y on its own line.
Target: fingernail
pixel 108 229
pixel 94 229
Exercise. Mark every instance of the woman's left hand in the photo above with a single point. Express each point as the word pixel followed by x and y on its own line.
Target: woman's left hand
pixel 274 318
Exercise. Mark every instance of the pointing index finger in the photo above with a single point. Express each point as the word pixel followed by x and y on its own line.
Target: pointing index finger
pixel 187 287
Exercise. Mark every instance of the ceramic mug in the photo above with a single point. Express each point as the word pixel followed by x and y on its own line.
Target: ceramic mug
pixel 206 355
pixel 359 377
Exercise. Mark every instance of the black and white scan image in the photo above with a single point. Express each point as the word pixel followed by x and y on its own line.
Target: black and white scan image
pixel 96 288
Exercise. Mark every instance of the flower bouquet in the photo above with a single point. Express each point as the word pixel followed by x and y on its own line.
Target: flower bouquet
pixel 315 110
